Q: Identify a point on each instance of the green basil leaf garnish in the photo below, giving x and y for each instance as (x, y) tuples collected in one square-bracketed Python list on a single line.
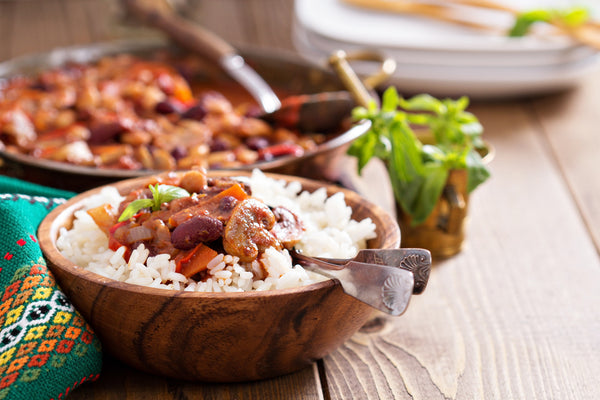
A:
[(160, 194)]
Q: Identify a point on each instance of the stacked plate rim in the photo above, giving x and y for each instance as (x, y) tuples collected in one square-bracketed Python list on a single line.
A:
[(440, 58)]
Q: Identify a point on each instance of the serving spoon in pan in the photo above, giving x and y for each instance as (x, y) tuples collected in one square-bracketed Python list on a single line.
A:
[(319, 112), (382, 278), (159, 14), (322, 112)]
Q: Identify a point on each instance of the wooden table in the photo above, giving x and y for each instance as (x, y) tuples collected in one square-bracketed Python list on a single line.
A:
[(514, 316)]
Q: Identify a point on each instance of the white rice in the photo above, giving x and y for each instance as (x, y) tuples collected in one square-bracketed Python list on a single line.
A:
[(330, 232)]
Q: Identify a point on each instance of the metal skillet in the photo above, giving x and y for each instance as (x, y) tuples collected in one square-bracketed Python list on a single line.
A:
[(306, 112), (283, 70)]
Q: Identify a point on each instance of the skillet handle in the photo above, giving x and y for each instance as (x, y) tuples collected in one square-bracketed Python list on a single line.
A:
[(360, 90), (156, 13)]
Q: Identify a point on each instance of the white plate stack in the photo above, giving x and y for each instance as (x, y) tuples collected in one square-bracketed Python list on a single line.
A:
[(442, 58)]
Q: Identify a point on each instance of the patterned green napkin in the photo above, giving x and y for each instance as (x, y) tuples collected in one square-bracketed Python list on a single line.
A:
[(46, 348)]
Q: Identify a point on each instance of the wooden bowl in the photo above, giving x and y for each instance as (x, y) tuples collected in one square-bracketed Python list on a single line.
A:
[(216, 337)]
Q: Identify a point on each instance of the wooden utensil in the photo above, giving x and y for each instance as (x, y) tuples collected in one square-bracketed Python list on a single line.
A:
[(158, 14)]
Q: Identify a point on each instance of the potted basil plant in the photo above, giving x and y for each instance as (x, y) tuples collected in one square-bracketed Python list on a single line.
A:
[(435, 158)]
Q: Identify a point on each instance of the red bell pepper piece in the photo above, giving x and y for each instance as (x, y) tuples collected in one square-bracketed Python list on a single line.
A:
[(281, 149)]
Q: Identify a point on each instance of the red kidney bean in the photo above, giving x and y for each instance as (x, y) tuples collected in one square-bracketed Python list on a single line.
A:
[(196, 112), (100, 132), (227, 203), (253, 111), (257, 142), (219, 144), (179, 152), (166, 107), (198, 229), (41, 86)]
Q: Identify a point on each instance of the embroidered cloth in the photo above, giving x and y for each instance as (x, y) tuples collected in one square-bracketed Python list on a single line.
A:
[(46, 347)]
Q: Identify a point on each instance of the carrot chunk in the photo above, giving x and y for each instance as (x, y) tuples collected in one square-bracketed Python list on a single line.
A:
[(234, 190), (104, 216), (195, 260)]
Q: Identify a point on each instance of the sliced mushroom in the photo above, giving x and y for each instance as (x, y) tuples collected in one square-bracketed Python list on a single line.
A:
[(247, 231)]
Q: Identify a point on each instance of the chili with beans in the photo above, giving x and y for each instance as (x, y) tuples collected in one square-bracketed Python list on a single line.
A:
[(124, 112), (215, 216)]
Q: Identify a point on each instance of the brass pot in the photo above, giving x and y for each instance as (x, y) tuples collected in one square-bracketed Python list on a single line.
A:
[(443, 232)]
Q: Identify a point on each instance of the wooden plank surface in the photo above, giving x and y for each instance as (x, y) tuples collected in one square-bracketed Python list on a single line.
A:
[(119, 382), (570, 124), (6, 28), (513, 316), (247, 22)]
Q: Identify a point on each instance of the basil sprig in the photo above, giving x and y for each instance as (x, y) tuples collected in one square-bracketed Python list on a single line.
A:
[(160, 194), (417, 171)]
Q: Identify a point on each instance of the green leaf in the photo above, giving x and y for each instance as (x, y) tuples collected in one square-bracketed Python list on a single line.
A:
[(421, 119), (417, 171), (405, 151), (477, 171), (405, 165), (472, 128), (423, 102), (160, 194), (575, 17), (135, 207), (389, 100), (525, 20), (433, 153), (571, 17), (363, 149), (461, 104), (431, 190), (359, 113), (166, 193)]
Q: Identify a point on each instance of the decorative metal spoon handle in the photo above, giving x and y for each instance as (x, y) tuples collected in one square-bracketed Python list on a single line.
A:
[(417, 261), (383, 287)]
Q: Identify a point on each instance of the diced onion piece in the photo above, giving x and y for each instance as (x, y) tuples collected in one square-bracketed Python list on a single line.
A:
[(139, 233)]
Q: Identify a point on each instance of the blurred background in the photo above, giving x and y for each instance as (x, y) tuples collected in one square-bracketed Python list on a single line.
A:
[(440, 53), (55, 23)]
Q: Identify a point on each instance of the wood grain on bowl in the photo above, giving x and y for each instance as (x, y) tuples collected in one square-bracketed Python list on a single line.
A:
[(217, 337)]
